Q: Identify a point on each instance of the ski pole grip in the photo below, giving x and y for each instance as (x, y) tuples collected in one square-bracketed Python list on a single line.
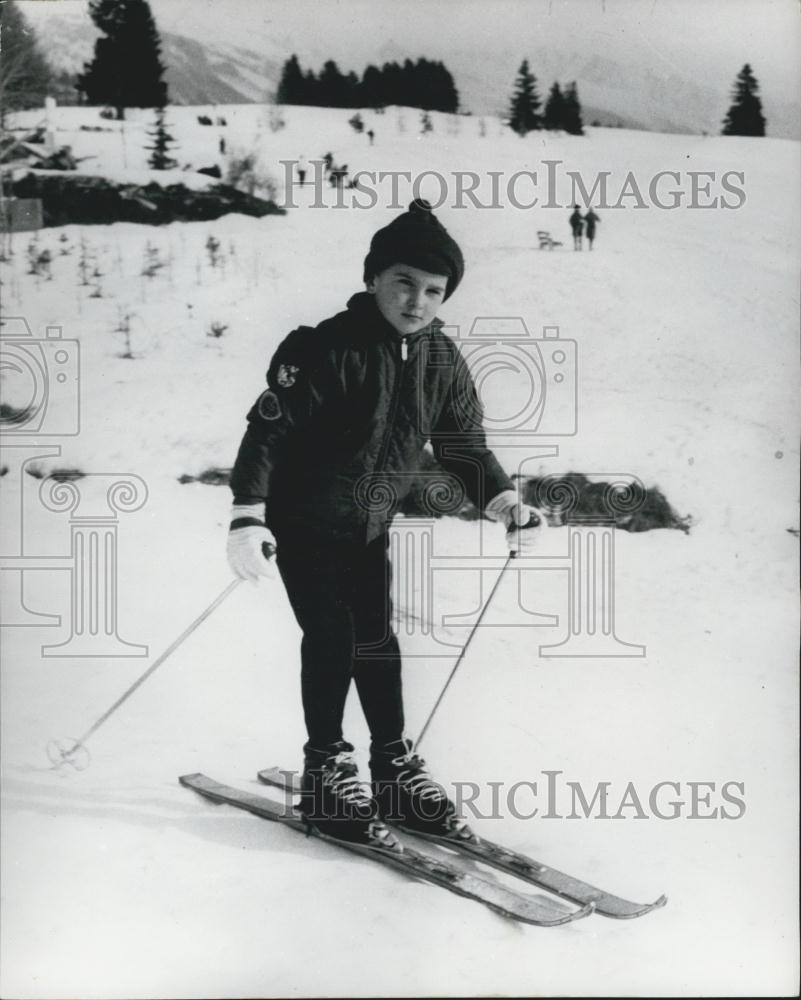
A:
[(534, 521)]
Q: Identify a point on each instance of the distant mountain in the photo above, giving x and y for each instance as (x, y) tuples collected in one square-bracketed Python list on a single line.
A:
[(214, 73), (197, 72), (223, 70)]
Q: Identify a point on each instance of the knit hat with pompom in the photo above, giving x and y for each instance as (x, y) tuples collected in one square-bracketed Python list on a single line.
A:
[(418, 239)]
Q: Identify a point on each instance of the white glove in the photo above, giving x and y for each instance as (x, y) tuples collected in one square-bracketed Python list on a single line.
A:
[(251, 544), (524, 524)]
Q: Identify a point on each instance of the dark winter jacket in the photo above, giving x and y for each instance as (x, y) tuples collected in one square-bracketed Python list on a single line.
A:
[(590, 221), (577, 222), (335, 442)]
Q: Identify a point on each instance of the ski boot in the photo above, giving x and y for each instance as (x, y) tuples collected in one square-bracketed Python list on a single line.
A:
[(335, 803), (407, 795)]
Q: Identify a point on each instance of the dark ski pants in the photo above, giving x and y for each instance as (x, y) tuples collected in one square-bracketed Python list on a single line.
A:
[(340, 593)]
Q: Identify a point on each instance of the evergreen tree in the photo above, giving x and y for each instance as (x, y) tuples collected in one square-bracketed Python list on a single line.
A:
[(745, 114), (25, 76), (524, 113), (162, 140), (411, 85), (392, 76), (371, 88), (332, 86), (353, 97), (126, 71), (554, 117), (291, 85), (572, 111), (310, 92), (446, 88)]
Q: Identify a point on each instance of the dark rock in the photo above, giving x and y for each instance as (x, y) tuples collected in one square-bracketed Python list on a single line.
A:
[(86, 200)]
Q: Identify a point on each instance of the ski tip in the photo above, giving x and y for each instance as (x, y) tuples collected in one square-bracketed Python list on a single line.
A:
[(187, 780), (287, 781), (568, 918), (638, 911)]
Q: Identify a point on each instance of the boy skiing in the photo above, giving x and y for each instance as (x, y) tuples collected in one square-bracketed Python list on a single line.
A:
[(349, 407)]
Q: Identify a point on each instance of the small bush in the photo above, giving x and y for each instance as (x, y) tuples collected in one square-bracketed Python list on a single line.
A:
[(210, 477), (248, 174), (573, 497), (66, 475), (14, 415), (216, 329)]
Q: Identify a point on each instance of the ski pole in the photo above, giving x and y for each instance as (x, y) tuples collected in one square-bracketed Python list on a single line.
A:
[(64, 751), (536, 520), (461, 655)]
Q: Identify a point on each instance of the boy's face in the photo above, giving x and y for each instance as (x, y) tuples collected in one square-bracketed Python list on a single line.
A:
[(407, 297)]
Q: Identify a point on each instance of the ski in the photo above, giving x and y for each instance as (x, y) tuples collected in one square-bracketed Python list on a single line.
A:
[(541, 911), (519, 865)]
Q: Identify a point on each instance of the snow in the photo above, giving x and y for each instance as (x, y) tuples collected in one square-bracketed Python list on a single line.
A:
[(118, 882)]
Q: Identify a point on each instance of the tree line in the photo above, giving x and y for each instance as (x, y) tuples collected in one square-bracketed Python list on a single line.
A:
[(424, 84), (127, 70)]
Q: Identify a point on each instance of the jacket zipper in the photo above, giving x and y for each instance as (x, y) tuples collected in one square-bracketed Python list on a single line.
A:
[(393, 406)]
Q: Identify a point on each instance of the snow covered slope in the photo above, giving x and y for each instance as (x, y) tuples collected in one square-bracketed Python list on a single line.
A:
[(117, 882)]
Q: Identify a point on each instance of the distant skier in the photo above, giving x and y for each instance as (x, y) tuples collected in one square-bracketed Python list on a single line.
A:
[(370, 135), (590, 222), (577, 225), (301, 169), (338, 175), (349, 409)]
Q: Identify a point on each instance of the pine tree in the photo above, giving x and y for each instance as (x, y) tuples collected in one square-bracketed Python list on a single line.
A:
[(310, 93), (392, 75), (371, 88), (25, 76), (554, 117), (524, 110), (411, 82), (162, 140), (572, 111), (126, 71), (291, 85), (352, 91), (745, 114), (332, 86), (446, 88)]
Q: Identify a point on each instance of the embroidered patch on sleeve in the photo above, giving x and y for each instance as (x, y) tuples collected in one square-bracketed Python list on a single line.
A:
[(269, 408), (287, 375)]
